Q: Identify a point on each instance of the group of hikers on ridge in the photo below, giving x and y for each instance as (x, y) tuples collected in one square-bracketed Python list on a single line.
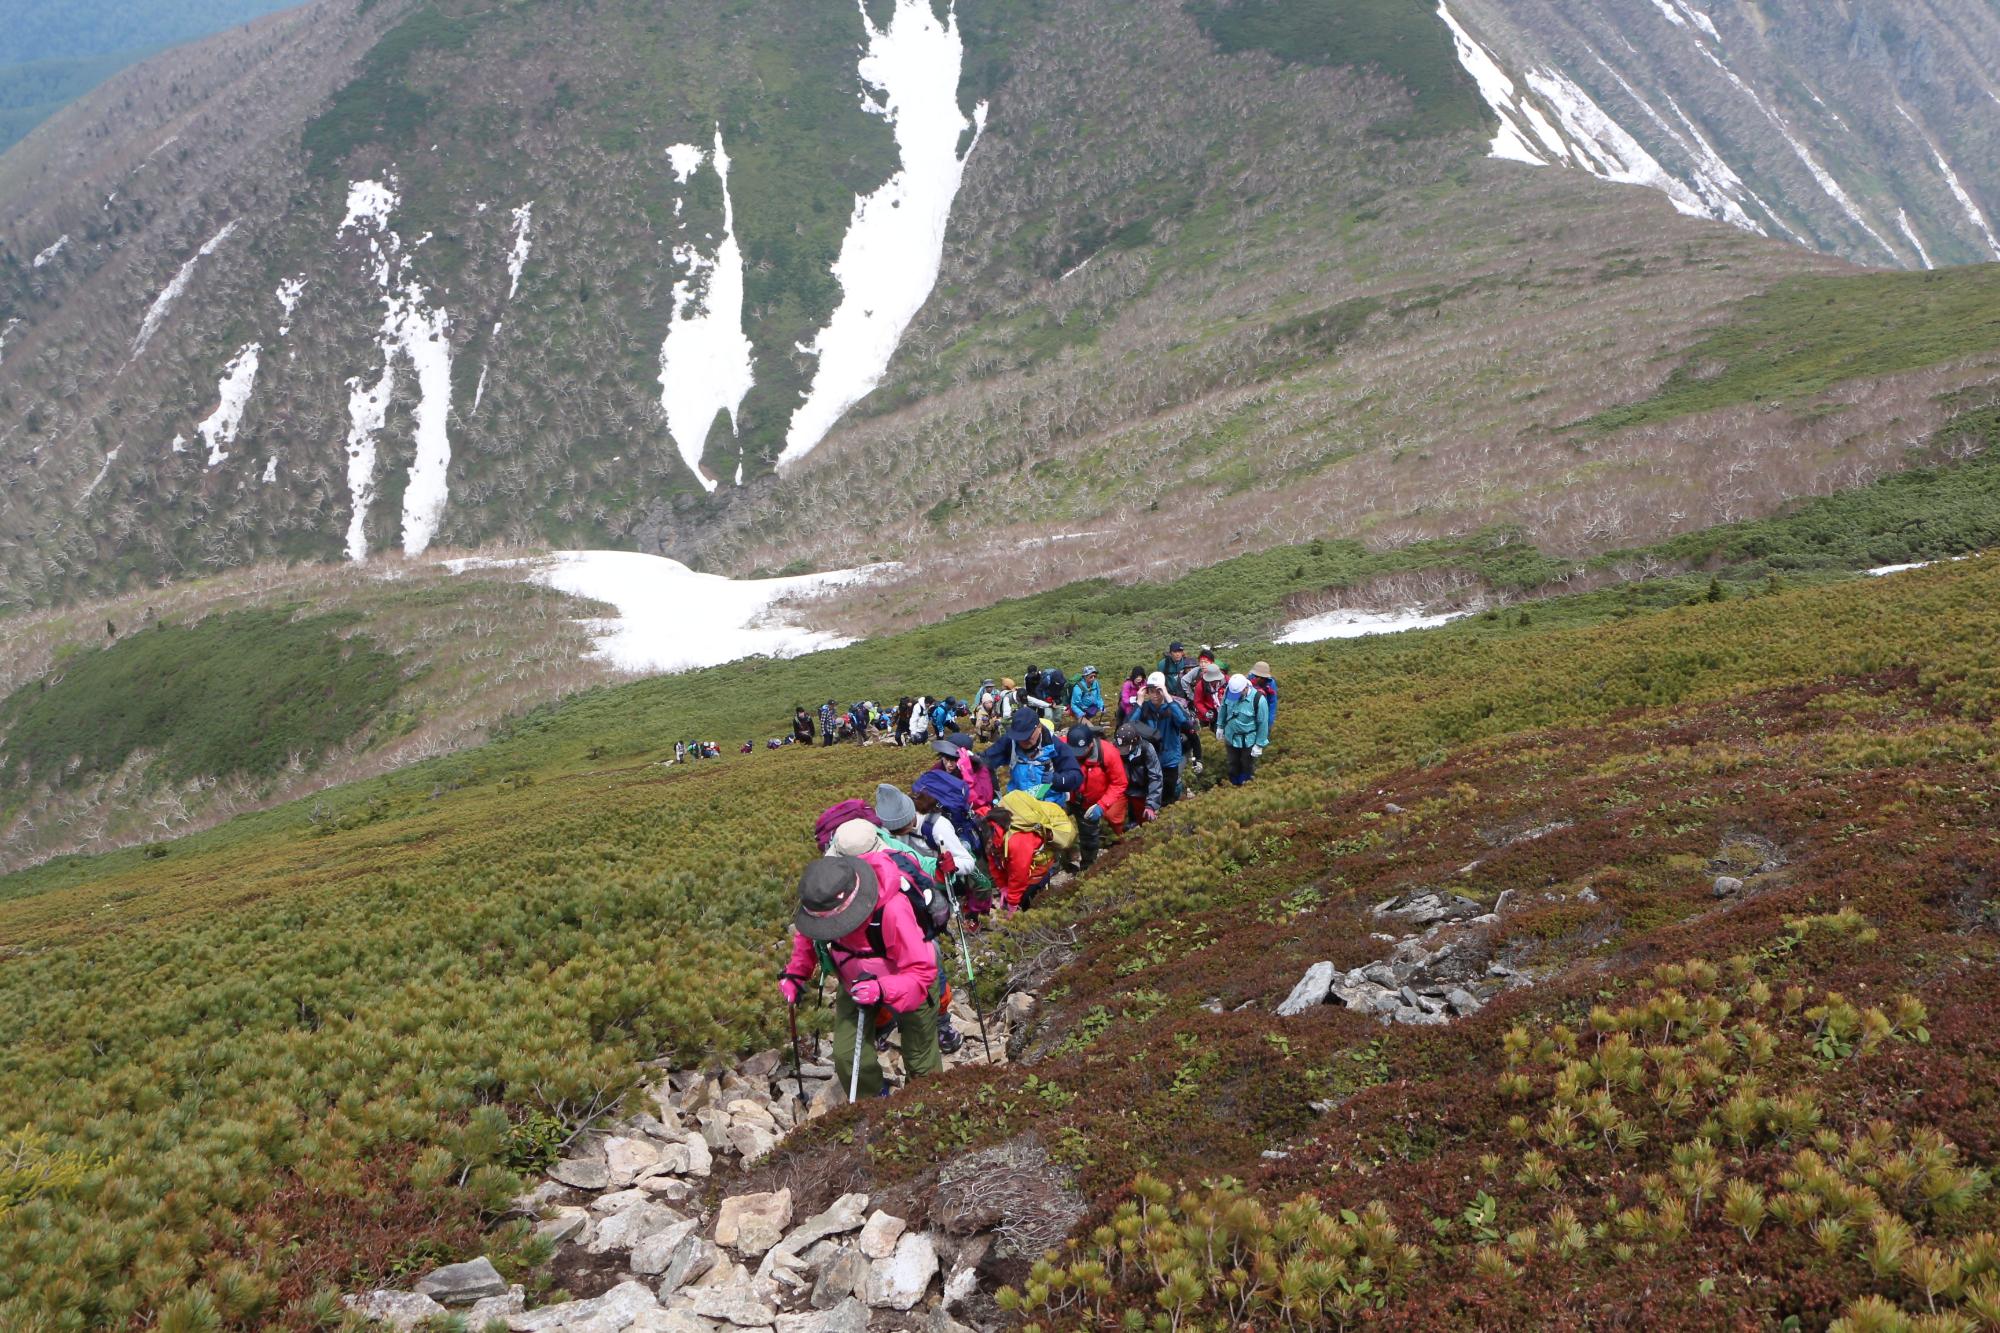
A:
[(1010, 800)]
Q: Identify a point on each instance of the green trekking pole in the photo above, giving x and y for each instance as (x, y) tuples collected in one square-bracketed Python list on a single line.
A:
[(971, 977)]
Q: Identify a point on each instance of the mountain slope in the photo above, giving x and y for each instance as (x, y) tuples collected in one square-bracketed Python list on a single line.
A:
[(586, 275), (1863, 128)]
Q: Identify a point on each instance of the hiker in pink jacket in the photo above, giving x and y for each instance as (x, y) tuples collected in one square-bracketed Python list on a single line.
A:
[(855, 921)]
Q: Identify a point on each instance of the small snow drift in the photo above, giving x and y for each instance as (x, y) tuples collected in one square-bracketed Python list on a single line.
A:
[(517, 259), (239, 379), (894, 247), (1361, 624), (672, 619), (705, 362), (164, 302)]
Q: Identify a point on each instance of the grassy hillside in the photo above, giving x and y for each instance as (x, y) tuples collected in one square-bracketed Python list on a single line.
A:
[(256, 1064)]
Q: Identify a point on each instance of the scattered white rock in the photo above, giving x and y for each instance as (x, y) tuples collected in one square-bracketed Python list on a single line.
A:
[(1311, 990), (753, 1223), (397, 1309), (634, 1224), (879, 1236), (462, 1284), (900, 1281)]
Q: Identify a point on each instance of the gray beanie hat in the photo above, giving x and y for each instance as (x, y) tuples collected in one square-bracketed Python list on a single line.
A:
[(894, 808)]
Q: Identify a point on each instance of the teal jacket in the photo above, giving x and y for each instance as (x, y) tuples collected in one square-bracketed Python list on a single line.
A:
[(1245, 720)]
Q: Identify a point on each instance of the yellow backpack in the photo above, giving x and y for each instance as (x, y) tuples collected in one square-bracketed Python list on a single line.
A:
[(1045, 819)]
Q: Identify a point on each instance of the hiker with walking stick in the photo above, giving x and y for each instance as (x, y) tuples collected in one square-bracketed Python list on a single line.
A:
[(856, 922)]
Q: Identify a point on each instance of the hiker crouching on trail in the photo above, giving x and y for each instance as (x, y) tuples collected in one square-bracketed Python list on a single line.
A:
[(1021, 860), (855, 922), (1029, 759), (1101, 798)]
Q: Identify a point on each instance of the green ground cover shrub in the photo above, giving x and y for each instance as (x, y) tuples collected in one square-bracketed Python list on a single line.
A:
[(241, 693), (1809, 333), (1401, 38), (329, 1013)]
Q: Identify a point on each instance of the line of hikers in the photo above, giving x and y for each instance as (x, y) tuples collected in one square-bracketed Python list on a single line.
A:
[(986, 829)]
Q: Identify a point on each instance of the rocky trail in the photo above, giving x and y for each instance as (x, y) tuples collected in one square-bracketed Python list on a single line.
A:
[(642, 1214)]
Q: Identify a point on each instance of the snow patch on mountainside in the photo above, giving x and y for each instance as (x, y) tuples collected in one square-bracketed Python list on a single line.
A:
[(1910, 234), (415, 330), (894, 247), (48, 255), (517, 261), (102, 472), (1613, 154), (1361, 624), (164, 302), (239, 380), (289, 293), (705, 362), (1510, 144), (670, 618), (1973, 212)]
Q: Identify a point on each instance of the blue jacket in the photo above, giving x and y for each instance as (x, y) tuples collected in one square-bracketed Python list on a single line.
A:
[(1020, 770), (1244, 721), (1169, 720), (1085, 697)]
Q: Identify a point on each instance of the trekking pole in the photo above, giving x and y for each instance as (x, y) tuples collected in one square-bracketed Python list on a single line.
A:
[(798, 1072), (971, 977), (860, 1040)]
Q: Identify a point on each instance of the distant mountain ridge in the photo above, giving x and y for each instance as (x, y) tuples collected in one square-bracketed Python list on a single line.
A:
[(51, 54)]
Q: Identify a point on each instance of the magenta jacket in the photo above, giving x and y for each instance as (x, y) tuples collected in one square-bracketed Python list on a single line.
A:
[(907, 973)]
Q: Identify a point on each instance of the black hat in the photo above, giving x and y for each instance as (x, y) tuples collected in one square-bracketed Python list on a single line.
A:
[(836, 895)]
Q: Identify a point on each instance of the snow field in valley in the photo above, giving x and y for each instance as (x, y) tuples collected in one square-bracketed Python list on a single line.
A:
[(1361, 624), (670, 618)]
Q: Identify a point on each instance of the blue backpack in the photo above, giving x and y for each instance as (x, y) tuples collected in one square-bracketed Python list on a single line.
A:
[(948, 790)]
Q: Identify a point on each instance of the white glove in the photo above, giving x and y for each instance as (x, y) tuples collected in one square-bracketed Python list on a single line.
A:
[(1256, 752)]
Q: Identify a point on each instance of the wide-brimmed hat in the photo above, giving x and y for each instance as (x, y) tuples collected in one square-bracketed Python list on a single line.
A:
[(1025, 724), (837, 894), (1262, 669), (894, 808), (857, 837)]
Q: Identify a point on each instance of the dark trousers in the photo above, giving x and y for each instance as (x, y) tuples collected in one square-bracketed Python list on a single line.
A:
[(1089, 835), (1242, 764), (1170, 785)]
